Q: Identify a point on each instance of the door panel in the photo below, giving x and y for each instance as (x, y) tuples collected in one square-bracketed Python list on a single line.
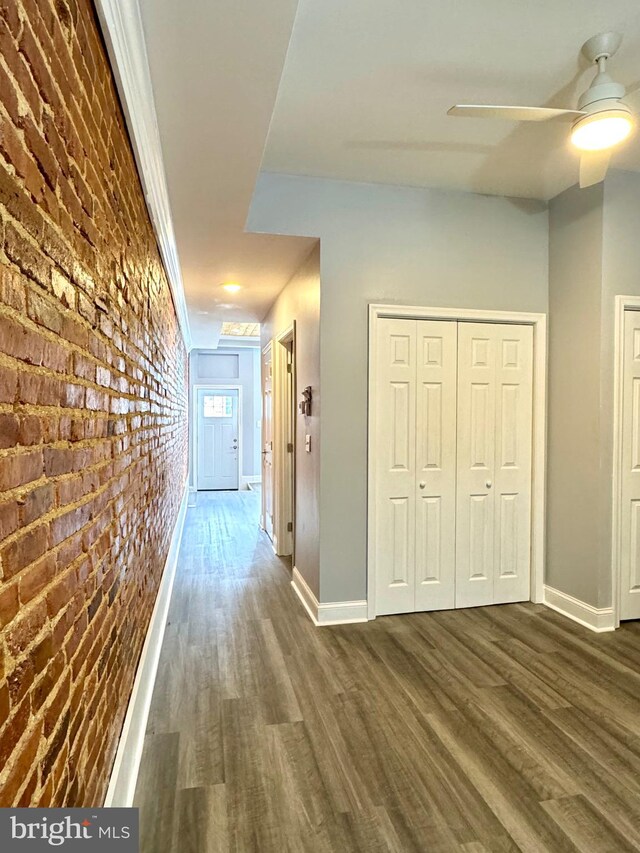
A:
[(435, 481), (630, 481), (217, 439), (415, 497), (495, 398), (395, 492)]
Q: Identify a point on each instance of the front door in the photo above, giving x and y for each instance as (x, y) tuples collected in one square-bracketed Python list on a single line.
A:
[(217, 439)]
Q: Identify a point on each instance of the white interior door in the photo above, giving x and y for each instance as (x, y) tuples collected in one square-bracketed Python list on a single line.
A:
[(454, 409), (630, 480), (217, 439), (436, 357), (494, 425), (267, 441), (416, 466)]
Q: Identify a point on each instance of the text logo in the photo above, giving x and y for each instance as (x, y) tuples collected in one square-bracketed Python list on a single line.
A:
[(87, 830)]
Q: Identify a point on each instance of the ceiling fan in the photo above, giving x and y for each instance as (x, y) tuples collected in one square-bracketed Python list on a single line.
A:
[(605, 116)]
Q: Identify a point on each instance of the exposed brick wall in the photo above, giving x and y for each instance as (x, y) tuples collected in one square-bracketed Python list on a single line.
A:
[(93, 430)]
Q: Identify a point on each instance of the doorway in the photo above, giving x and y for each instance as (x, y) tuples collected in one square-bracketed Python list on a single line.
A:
[(218, 429), (456, 458), (626, 462), (285, 443), (267, 441)]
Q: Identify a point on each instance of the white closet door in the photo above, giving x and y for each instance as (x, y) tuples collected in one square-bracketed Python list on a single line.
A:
[(395, 466), (495, 393), (630, 510), (436, 357)]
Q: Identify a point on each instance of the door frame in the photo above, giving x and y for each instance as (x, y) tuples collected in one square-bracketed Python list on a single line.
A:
[(212, 386), (267, 348), (622, 305), (538, 464), (283, 461)]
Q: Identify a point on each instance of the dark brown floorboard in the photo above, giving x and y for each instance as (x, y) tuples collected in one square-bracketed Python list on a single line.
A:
[(502, 728)]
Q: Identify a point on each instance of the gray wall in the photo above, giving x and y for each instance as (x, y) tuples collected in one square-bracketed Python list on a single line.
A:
[(575, 525), (594, 256), (299, 302), (398, 245), (215, 367)]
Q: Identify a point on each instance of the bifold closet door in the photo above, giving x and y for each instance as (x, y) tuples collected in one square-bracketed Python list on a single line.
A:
[(415, 465), (495, 402)]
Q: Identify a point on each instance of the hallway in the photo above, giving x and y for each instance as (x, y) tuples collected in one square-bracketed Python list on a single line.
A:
[(493, 729)]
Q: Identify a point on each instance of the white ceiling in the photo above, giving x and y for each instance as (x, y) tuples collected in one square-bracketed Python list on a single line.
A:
[(363, 96), (215, 69), (367, 85)]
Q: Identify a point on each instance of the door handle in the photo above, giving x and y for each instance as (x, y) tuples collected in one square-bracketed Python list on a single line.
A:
[(422, 484), (488, 484)]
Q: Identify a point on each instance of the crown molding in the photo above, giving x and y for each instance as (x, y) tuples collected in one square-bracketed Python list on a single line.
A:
[(121, 24)]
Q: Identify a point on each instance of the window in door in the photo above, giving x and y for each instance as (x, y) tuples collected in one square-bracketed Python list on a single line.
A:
[(217, 406)]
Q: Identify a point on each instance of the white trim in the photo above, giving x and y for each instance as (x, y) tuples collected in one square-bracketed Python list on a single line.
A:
[(213, 386), (538, 494), (121, 24), (598, 619), (267, 350), (283, 461), (623, 303), (331, 613), (124, 774)]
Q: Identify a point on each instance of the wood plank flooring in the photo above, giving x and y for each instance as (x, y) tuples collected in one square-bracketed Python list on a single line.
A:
[(493, 729)]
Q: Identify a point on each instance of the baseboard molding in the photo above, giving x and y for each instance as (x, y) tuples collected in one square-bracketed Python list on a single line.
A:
[(332, 613), (596, 619), (122, 784), (247, 481)]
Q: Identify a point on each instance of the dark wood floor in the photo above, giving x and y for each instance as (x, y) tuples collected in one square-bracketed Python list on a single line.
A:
[(494, 729)]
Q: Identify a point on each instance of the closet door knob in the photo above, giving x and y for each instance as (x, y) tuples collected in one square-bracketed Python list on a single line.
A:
[(488, 484), (422, 484)]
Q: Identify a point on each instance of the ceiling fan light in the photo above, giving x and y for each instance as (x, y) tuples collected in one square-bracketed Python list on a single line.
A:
[(602, 130)]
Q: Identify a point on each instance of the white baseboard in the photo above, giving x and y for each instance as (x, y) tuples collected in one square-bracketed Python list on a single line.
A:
[(122, 784), (596, 619), (247, 481), (332, 613)]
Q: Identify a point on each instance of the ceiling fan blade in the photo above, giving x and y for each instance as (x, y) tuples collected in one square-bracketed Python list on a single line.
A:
[(593, 167), (511, 113), (632, 99)]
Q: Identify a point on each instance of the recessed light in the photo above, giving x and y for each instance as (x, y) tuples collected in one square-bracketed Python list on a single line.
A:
[(231, 287)]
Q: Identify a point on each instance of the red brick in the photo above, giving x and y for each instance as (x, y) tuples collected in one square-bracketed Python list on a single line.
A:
[(61, 594), (30, 430), (20, 765), (19, 470), (9, 518), (93, 437), (8, 382), (34, 579), (9, 428), (8, 603), (36, 503), (24, 550), (43, 312), (26, 256), (12, 732)]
